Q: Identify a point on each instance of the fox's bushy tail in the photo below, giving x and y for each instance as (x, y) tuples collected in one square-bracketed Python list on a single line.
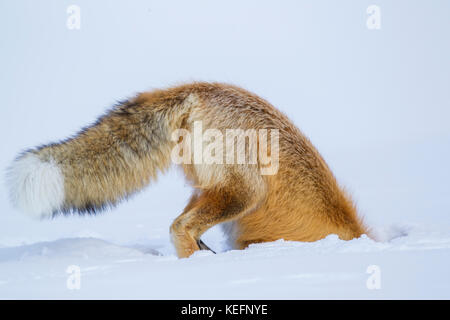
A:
[(105, 162)]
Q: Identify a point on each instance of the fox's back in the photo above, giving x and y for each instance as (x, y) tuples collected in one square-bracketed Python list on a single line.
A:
[(303, 201)]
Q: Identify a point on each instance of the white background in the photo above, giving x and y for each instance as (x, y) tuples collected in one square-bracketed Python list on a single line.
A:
[(376, 103)]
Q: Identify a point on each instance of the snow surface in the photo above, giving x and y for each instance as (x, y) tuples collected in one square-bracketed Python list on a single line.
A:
[(375, 103)]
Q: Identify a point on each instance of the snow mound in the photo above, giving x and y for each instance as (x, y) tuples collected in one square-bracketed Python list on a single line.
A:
[(78, 248)]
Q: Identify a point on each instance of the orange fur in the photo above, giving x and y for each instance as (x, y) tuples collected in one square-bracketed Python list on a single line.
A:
[(123, 151)]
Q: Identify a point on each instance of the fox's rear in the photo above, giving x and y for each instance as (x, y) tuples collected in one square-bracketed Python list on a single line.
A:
[(124, 150)]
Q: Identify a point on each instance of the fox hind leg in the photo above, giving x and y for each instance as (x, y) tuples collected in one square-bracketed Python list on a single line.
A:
[(190, 205), (205, 210)]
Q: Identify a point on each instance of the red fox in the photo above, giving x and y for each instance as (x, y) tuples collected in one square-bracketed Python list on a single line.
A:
[(125, 149)]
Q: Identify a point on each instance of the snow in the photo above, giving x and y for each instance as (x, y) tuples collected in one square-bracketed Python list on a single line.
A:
[(329, 268), (375, 103)]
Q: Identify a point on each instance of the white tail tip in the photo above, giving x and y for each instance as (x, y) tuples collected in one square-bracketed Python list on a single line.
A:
[(36, 186)]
